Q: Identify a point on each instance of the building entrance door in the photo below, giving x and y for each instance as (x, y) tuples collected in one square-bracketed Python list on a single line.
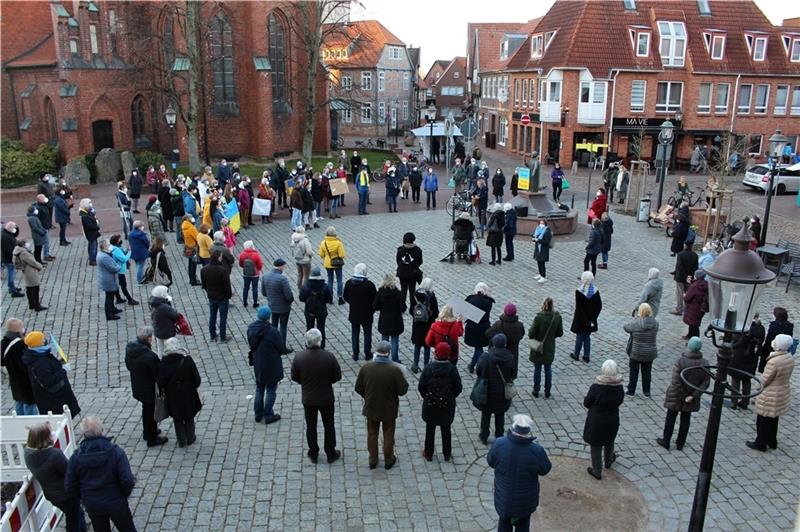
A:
[(103, 134), (554, 144)]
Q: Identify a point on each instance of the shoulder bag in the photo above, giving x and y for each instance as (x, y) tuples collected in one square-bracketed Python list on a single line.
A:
[(182, 326), (337, 261), (508, 385), (537, 346), (480, 392), (161, 412)]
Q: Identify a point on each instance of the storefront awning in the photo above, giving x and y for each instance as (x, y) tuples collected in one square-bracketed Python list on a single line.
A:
[(339, 105)]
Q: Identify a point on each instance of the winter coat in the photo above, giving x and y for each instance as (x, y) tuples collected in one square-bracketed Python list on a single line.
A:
[(518, 462), (498, 182), (678, 391), (275, 286), (607, 227), (91, 229), (381, 383), (61, 210), (301, 247), (99, 474), (143, 365), (176, 202), (541, 249), (746, 349), (436, 335), (179, 379), (595, 244), (107, 270), (216, 281), (430, 183), (316, 370), (475, 334), (121, 258), (419, 329), (44, 214), (267, 348), (415, 179), (497, 221), (228, 261), (409, 260), (49, 467), (9, 242), (135, 183), (330, 247), (510, 227), (696, 303), (490, 361), (776, 397), (243, 197), (163, 318), (161, 264), (644, 347), (598, 207), (482, 193), (651, 294), (155, 221), (539, 331), (685, 265), (602, 419), (189, 203), (514, 331), (140, 245), (31, 268), (11, 357), (316, 306), (587, 310), (679, 233), (775, 328), (49, 382), (255, 257), (390, 303), (38, 231), (438, 375), (360, 292)]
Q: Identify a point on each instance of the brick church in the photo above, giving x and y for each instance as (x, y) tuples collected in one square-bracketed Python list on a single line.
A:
[(91, 75)]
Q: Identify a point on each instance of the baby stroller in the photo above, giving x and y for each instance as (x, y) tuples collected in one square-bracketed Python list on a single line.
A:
[(464, 247)]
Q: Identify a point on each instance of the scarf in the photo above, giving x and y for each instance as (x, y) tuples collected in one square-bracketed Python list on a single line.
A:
[(605, 379), (539, 232), (588, 290)]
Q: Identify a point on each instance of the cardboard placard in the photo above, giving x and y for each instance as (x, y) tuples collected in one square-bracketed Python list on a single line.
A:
[(338, 186), (262, 207), (468, 310)]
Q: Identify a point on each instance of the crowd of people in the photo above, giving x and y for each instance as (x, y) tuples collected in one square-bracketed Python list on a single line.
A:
[(165, 379)]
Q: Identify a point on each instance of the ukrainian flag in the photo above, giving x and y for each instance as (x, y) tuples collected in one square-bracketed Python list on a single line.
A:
[(232, 214), (57, 348)]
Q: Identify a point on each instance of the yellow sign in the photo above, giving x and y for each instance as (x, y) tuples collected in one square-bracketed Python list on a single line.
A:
[(523, 178), (589, 146)]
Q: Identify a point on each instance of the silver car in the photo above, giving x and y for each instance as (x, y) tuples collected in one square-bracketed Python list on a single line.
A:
[(787, 179)]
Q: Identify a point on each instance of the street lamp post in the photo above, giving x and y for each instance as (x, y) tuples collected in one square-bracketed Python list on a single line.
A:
[(776, 144), (431, 121), (736, 280), (171, 117), (665, 138)]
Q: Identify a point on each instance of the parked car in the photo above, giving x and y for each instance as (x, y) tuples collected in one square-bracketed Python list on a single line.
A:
[(787, 179)]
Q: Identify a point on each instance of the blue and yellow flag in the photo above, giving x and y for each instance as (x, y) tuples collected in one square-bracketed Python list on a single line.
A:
[(232, 214), (57, 349)]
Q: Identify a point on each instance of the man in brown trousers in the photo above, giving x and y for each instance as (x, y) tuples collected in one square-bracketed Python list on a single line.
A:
[(381, 383)]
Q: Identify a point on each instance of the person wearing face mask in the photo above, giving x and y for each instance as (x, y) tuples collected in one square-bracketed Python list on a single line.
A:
[(176, 202), (415, 181), (38, 232), (598, 207), (281, 176), (155, 217), (191, 206), (190, 247), (45, 187), (223, 173), (152, 179), (135, 182), (542, 238), (91, 228), (9, 241), (44, 208), (480, 201), (124, 205), (403, 172), (166, 206), (265, 192), (61, 208), (557, 180), (31, 272), (431, 185), (498, 183), (509, 230), (161, 176)]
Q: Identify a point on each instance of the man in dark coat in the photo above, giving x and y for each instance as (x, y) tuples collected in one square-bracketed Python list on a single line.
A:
[(266, 349), (359, 292), (381, 383), (781, 325), (62, 206), (45, 188), (496, 366), (216, 281), (48, 377), (135, 184), (439, 385), (9, 234), (317, 370), (91, 229), (12, 348), (509, 324), (38, 233), (475, 333), (275, 287), (679, 233), (44, 210), (685, 266), (746, 350), (518, 462), (510, 230), (355, 164), (100, 475), (281, 176), (415, 180), (409, 260), (317, 295), (142, 363)]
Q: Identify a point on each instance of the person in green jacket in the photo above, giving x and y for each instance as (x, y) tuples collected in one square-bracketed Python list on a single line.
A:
[(546, 327)]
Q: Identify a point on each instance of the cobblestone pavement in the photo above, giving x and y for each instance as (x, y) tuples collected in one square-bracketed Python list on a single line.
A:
[(243, 476)]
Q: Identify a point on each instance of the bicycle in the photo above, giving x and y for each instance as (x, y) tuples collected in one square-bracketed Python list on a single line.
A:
[(337, 143), (378, 176), (679, 197), (369, 144), (458, 203)]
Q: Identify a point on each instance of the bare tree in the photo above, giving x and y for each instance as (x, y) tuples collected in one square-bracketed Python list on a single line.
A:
[(721, 161), (637, 143)]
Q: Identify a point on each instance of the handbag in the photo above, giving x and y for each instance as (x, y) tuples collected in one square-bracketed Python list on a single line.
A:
[(452, 182), (159, 277), (337, 261), (508, 386), (629, 347), (564, 184), (160, 412), (480, 392), (182, 326), (537, 346)]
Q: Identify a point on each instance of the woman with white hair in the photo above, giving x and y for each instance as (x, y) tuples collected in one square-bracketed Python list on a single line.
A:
[(359, 292), (776, 396), (602, 420), (179, 378), (584, 321), (642, 348), (390, 303), (651, 292), (475, 334), (91, 229), (163, 316), (423, 313), (251, 263)]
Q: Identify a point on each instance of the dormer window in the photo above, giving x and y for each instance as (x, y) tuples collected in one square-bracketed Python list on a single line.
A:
[(630, 5), (537, 45), (704, 7), (672, 45), (640, 40), (715, 44), (504, 49), (756, 45), (791, 45)]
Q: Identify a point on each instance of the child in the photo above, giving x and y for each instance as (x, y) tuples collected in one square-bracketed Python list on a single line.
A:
[(230, 236)]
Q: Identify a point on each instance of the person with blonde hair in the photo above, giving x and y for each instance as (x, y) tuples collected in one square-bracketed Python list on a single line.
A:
[(447, 328), (642, 348), (602, 420), (332, 251), (390, 303)]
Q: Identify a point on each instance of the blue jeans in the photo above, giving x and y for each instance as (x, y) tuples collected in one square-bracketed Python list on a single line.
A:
[(318, 207), (476, 356), (338, 273), (221, 306), (362, 202), (395, 343), (192, 271), (92, 250), (355, 330), (281, 321), (178, 231), (584, 340), (537, 377), (24, 409), (605, 257), (11, 272), (264, 401), (392, 201), (248, 283), (140, 266), (333, 205), (46, 245), (297, 218), (426, 350)]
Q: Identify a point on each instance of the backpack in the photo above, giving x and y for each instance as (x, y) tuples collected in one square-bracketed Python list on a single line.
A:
[(437, 396), (249, 268), (315, 303), (421, 312), (299, 252)]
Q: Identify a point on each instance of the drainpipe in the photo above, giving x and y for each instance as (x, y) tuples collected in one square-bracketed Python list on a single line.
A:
[(611, 114), (733, 115), (14, 103)]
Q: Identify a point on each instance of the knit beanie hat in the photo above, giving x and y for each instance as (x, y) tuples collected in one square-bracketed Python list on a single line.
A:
[(34, 339), (264, 312), (442, 351), (499, 340), (510, 309), (700, 274), (694, 344)]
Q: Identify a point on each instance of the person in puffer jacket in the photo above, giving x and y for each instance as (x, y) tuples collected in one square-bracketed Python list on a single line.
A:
[(163, 316), (251, 263), (302, 252)]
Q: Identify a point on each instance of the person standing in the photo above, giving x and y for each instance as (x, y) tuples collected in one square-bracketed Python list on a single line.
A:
[(163, 316), (9, 242), (143, 365), (281, 177), (393, 184), (135, 184), (317, 370), (602, 420), (362, 187), (355, 164), (685, 266), (588, 305), (607, 227), (518, 462), (542, 242), (508, 323), (409, 261), (776, 395), (480, 202), (781, 325), (557, 181), (598, 207), (140, 249), (216, 281), (359, 293), (475, 334), (423, 314), (439, 385), (158, 262), (91, 229), (179, 378), (696, 303), (545, 328), (107, 278), (594, 247), (333, 254), (122, 259), (317, 296), (390, 304), (44, 188), (642, 348), (156, 217), (62, 207), (124, 206), (447, 328), (48, 376), (251, 263), (494, 240), (176, 202), (430, 182), (12, 348), (415, 181), (498, 183), (680, 397), (679, 233), (31, 270), (651, 292), (48, 466), (497, 367), (746, 347), (302, 253), (44, 210), (381, 383), (99, 475), (275, 287), (38, 233), (266, 349), (509, 230)]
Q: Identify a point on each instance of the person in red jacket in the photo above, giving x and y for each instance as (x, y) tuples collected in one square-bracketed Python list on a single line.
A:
[(251, 263), (599, 205), (447, 328)]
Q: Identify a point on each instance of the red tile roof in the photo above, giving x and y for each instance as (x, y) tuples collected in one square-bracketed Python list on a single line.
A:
[(24, 29), (368, 38), (41, 54), (489, 36)]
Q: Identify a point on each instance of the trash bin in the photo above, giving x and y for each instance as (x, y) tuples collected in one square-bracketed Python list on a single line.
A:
[(644, 210)]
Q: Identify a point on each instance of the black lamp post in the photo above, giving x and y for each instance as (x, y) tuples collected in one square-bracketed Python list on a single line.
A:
[(431, 120), (735, 282), (665, 138), (171, 117), (776, 144)]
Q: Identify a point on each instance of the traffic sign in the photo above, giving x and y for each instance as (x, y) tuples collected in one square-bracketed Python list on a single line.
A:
[(469, 128), (525, 119)]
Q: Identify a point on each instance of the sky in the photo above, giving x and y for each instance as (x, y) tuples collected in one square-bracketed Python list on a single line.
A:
[(439, 27)]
